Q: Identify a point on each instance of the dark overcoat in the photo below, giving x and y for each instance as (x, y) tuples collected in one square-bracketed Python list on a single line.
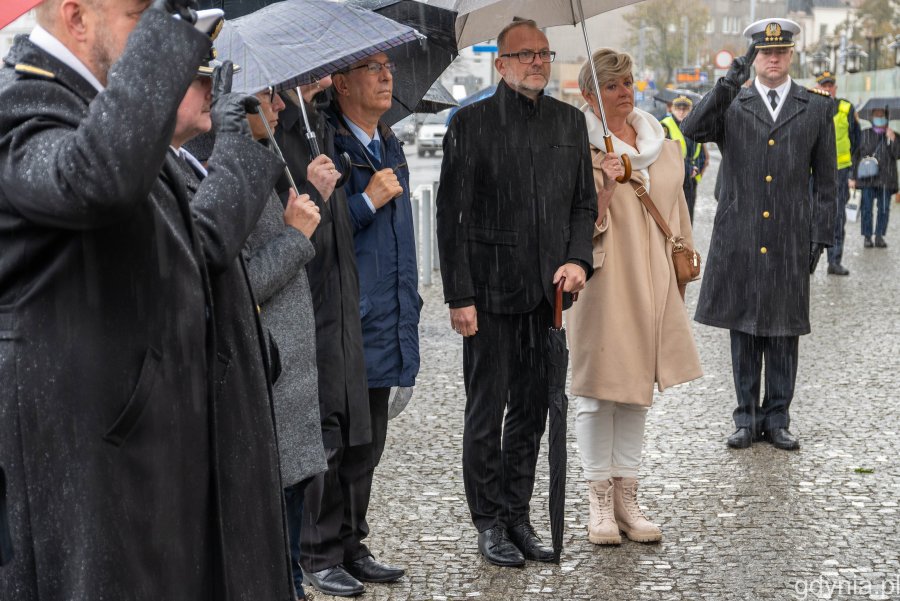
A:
[(104, 407), (516, 201), (885, 152), (334, 285), (385, 244), (779, 181), (226, 206)]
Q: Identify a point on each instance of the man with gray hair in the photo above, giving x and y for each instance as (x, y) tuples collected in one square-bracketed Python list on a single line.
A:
[(515, 216)]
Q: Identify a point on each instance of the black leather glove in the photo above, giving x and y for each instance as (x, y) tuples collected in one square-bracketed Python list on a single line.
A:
[(740, 67), (815, 252), (186, 9), (229, 110)]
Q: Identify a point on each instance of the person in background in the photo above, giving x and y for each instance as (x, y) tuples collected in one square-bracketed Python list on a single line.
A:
[(880, 142), (696, 157), (846, 136)]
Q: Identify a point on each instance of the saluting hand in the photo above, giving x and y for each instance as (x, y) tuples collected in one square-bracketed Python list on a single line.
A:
[(322, 174), (186, 9), (383, 187), (229, 110), (302, 214)]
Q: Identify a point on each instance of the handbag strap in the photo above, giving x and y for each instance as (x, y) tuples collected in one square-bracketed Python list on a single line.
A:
[(644, 196)]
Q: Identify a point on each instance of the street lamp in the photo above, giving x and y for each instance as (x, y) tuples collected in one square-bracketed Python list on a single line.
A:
[(853, 58), (833, 42), (873, 40), (818, 62), (895, 46)]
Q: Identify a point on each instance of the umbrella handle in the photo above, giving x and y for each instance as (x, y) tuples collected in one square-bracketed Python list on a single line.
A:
[(557, 306), (626, 162)]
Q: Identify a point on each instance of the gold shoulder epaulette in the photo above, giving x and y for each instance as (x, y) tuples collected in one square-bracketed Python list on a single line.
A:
[(819, 92), (32, 70)]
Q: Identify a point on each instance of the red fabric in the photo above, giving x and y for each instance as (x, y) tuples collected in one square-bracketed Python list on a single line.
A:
[(10, 10)]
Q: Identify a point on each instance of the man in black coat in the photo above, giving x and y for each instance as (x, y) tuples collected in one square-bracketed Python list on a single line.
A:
[(104, 409), (775, 216), (515, 213), (226, 201)]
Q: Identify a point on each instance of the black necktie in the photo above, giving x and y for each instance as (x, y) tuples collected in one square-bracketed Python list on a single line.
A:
[(773, 99)]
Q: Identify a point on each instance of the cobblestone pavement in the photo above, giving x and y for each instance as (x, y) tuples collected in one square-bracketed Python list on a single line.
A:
[(743, 525)]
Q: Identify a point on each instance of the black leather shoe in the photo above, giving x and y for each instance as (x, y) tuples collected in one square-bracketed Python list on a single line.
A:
[(334, 581), (867, 242), (529, 544), (366, 569), (741, 439), (879, 242), (837, 269), (781, 438), (496, 547)]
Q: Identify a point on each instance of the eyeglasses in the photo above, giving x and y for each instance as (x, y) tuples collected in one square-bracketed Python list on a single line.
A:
[(526, 57), (374, 68)]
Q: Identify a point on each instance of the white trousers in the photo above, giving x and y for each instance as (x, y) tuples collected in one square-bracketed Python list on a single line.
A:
[(610, 438)]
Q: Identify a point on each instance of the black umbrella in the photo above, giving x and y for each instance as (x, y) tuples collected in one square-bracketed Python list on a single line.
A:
[(891, 106), (668, 96), (558, 362), (437, 99), (6, 550), (418, 65)]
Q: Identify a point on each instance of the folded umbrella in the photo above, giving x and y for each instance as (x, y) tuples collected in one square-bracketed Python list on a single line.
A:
[(418, 65), (295, 42), (891, 106), (558, 361)]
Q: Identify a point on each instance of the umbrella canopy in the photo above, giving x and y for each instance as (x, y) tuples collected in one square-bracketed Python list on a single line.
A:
[(890, 105), (418, 65), (558, 361), (481, 20), (292, 43), (10, 10), (667, 96), (479, 95), (437, 99)]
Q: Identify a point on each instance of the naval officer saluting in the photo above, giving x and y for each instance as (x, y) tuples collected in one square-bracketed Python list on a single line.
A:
[(775, 217)]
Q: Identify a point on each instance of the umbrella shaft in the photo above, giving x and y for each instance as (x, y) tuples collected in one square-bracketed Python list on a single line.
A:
[(590, 50), (275, 147), (310, 134)]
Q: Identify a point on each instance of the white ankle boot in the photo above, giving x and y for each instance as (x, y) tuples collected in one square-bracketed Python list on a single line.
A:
[(628, 514), (602, 527)]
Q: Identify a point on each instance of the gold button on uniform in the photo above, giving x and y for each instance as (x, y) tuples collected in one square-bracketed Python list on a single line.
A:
[(771, 142), (763, 250), (768, 178), (765, 214)]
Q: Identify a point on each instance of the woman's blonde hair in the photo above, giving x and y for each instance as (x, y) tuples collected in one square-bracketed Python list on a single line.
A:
[(608, 64)]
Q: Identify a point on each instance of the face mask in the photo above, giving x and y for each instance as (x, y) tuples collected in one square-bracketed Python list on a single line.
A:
[(879, 121)]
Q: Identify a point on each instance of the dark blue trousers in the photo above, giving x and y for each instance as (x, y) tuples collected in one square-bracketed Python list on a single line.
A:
[(836, 252), (747, 354), (880, 197)]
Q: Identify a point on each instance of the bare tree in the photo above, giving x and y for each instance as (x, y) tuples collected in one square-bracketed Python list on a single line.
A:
[(664, 22)]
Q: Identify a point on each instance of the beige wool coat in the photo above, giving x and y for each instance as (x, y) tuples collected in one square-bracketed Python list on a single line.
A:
[(629, 329)]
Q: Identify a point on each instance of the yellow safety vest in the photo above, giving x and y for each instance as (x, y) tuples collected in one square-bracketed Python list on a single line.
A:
[(842, 134), (675, 133)]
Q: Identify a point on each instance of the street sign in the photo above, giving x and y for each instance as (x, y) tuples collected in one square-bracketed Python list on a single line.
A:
[(723, 59), (484, 48), (688, 75)]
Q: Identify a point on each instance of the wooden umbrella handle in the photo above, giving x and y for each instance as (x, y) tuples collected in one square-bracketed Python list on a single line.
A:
[(626, 162), (558, 305)]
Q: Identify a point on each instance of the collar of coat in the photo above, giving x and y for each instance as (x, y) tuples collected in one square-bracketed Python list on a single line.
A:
[(341, 129), (509, 97), (32, 62), (797, 100)]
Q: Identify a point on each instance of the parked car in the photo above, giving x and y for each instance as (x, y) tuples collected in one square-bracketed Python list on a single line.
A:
[(406, 129), (431, 133)]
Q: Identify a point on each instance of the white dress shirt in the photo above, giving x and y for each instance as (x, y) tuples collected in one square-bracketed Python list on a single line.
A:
[(782, 92), (364, 139), (47, 42)]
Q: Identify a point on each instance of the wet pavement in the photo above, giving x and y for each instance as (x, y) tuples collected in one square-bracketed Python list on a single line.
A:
[(743, 525)]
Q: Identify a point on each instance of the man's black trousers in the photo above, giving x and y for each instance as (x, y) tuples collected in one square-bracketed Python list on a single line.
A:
[(747, 354), (336, 501), (505, 368)]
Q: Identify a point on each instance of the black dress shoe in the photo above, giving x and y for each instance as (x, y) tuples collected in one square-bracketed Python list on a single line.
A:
[(867, 242), (334, 581), (741, 439), (879, 242), (529, 544), (366, 569), (837, 269), (781, 438), (496, 547)]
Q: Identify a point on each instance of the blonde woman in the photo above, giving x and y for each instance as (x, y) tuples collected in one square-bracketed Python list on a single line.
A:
[(629, 329)]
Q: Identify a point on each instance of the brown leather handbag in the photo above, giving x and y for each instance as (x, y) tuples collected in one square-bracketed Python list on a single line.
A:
[(685, 259)]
